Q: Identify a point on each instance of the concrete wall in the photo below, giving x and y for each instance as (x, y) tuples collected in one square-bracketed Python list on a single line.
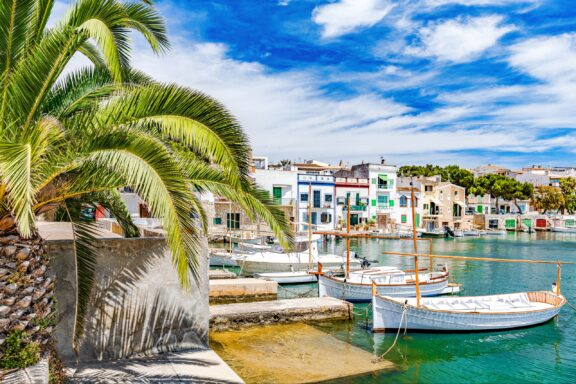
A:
[(137, 304)]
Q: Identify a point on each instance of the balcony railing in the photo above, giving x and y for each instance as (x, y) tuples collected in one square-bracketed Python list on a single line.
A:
[(355, 208), (280, 201)]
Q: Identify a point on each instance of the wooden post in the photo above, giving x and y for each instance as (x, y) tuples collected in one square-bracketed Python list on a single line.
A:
[(416, 274), (558, 279), (431, 258), (374, 290), (310, 227), (348, 239)]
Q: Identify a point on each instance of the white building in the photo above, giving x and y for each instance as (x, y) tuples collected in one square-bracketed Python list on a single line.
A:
[(357, 192), (321, 199)]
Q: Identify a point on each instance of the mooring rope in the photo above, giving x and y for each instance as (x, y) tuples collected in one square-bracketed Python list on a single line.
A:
[(570, 305), (298, 293), (404, 317)]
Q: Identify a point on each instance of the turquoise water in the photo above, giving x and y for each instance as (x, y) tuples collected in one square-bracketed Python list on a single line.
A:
[(541, 354)]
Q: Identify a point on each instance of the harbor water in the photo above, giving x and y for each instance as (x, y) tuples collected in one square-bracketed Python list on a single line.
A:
[(541, 354)]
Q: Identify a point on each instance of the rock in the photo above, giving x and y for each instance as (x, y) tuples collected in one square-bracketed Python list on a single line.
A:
[(4, 310), (16, 315), (3, 272), (25, 302), (9, 251), (11, 265), (38, 293), (34, 330), (11, 289), (4, 323), (39, 271), (20, 326), (28, 290), (8, 239), (9, 301), (23, 267), (22, 254)]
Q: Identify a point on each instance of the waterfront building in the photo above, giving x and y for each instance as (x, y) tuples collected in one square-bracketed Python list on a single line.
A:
[(443, 203), (480, 204), (322, 187), (355, 190), (404, 192)]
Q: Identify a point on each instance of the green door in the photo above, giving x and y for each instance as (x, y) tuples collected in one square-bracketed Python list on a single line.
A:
[(418, 220), (277, 194), (353, 219), (510, 223), (479, 209), (527, 222)]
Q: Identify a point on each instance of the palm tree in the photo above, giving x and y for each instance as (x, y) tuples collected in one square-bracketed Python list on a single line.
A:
[(69, 139)]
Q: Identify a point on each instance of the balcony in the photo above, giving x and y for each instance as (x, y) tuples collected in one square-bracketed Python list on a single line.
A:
[(315, 178), (354, 208), (284, 202), (384, 186)]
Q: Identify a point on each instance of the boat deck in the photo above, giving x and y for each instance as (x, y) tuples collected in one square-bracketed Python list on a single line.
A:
[(518, 302)]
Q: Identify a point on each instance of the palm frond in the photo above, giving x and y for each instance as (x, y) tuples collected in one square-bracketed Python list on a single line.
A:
[(41, 14), (149, 23), (15, 171)]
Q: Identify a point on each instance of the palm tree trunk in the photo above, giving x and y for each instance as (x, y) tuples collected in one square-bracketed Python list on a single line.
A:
[(26, 290)]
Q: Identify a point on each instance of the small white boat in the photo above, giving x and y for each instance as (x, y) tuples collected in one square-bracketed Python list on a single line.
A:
[(436, 233), (466, 313), (278, 260), (471, 232), (288, 277), (496, 232), (458, 233), (222, 258), (563, 229), (389, 281)]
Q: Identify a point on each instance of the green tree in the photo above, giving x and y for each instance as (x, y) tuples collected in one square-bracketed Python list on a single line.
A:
[(548, 199), (568, 189), (488, 184), (71, 139)]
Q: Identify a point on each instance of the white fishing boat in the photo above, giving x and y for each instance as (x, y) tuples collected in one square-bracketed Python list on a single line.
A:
[(278, 260), (471, 232), (458, 233), (466, 313), (435, 233), (563, 229), (222, 258), (389, 281), (296, 277), (495, 232)]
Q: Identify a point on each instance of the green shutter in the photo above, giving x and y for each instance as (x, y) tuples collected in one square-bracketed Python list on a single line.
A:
[(403, 218), (510, 223), (277, 194), (418, 220), (527, 222), (373, 180), (569, 222), (373, 202), (479, 209), (391, 203)]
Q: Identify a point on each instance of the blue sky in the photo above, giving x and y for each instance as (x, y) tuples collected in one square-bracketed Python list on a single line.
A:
[(419, 81)]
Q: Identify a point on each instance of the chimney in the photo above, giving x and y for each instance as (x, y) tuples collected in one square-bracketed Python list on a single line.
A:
[(382, 160)]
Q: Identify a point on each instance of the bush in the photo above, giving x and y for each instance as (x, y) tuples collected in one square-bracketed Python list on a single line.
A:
[(18, 353)]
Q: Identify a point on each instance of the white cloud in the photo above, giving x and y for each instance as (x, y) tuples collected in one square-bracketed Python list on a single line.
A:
[(460, 40), (438, 3), (549, 58), (347, 16)]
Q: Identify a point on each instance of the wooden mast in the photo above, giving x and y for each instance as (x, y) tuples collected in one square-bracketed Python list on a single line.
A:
[(310, 227), (348, 238), (417, 272), (558, 280)]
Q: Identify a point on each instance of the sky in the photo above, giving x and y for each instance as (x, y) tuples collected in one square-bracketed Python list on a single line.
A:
[(463, 82)]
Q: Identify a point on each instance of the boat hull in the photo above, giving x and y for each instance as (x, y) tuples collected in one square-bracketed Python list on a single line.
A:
[(432, 235), (356, 292), (289, 264), (223, 260), (563, 230), (388, 315), (287, 277)]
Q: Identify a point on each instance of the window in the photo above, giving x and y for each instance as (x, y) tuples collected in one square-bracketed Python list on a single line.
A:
[(383, 181), (428, 188), (382, 200), (217, 221), (403, 219), (233, 220), (325, 218), (456, 193), (341, 200), (328, 198), (317, 197), (426, 206), (403, 201), (304, 197), (277, 194)]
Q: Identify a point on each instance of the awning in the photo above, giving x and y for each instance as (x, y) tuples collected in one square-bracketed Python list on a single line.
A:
[(463, 205)]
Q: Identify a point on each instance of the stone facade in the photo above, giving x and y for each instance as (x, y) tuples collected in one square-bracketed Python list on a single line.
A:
[(26, 289)]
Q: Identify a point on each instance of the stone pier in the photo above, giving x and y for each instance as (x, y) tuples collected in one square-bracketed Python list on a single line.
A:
[(242, 290), (241, 315)]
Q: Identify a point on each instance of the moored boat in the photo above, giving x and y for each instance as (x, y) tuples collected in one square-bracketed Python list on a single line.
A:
[(389, 281), (288, 277), (436, 233), (495, 232), (471, 232), (222, 258), (466, 313), (563, 229)]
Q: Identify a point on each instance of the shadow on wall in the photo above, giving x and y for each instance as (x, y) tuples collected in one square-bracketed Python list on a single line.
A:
[(136, 306)]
